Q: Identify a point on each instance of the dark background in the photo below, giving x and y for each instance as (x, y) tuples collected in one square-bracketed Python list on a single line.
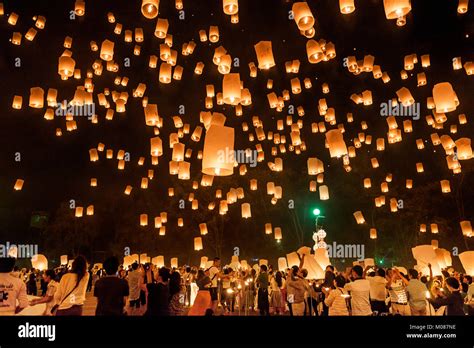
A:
[(57, 169)]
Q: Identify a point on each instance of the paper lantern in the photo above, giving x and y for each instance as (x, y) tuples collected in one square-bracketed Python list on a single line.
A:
[(174, 262), (213, 34), (464, 149), (39, 262), (151, 115), (36, 97), (12, 18), (303, 17), (444, 97), (346, 6), (30, 34), (434, 228), (165, 73), (246, 212), (18, 184), (79, 212), (178, 73), (63, 259), (156, 147), (282, 264), (315, 166), (150, 8), (359, 217), (40, 22), (419, 167), (373, 233), (314, 52), (445, 186), (405, 97), (17, 102), (231, 89), (467, 261), (323, 192), (161, 28), (396, 8), (218, 153), (292, 259), (367, 183), (107, 50), (463, 6), (93, 155), (158, 261), (90, 210), (277, 232), (184, 170), (231, 7), (80, 8), (198, 243), (335, 140), (466, 228), (143, 219), (264, 55), (203, 229)]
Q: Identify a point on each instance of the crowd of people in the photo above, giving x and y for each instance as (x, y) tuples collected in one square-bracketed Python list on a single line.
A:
[(145, 289)]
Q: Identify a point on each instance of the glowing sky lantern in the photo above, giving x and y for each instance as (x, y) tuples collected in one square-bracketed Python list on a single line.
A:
[(346, 6), (396, 8), (314, 52), (231, 7), (39, 262), (150, 8), (107, 50), (444, 97), (231, 89), (335, 140), (264, 55), (303, 16), (161, 28), (198, 243), (218, 156), (467, 261)]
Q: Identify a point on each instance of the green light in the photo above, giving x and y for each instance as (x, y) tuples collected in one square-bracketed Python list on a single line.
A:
[(316, 212)]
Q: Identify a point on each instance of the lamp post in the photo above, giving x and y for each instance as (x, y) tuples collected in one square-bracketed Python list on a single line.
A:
[(319, 234)]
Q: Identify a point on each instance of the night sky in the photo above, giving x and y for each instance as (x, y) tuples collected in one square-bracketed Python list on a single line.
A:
[(57, 169)]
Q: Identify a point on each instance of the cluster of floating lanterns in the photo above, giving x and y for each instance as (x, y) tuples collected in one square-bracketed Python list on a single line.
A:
[(217, 137)]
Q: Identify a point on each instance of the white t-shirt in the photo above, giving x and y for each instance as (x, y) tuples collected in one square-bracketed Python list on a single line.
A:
[(213, 271), (63, 295), (11, 290), (377, 288), (360, 296)]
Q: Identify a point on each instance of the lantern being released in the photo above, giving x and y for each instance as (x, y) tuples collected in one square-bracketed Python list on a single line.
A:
[(218, 154), (39, 262)]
